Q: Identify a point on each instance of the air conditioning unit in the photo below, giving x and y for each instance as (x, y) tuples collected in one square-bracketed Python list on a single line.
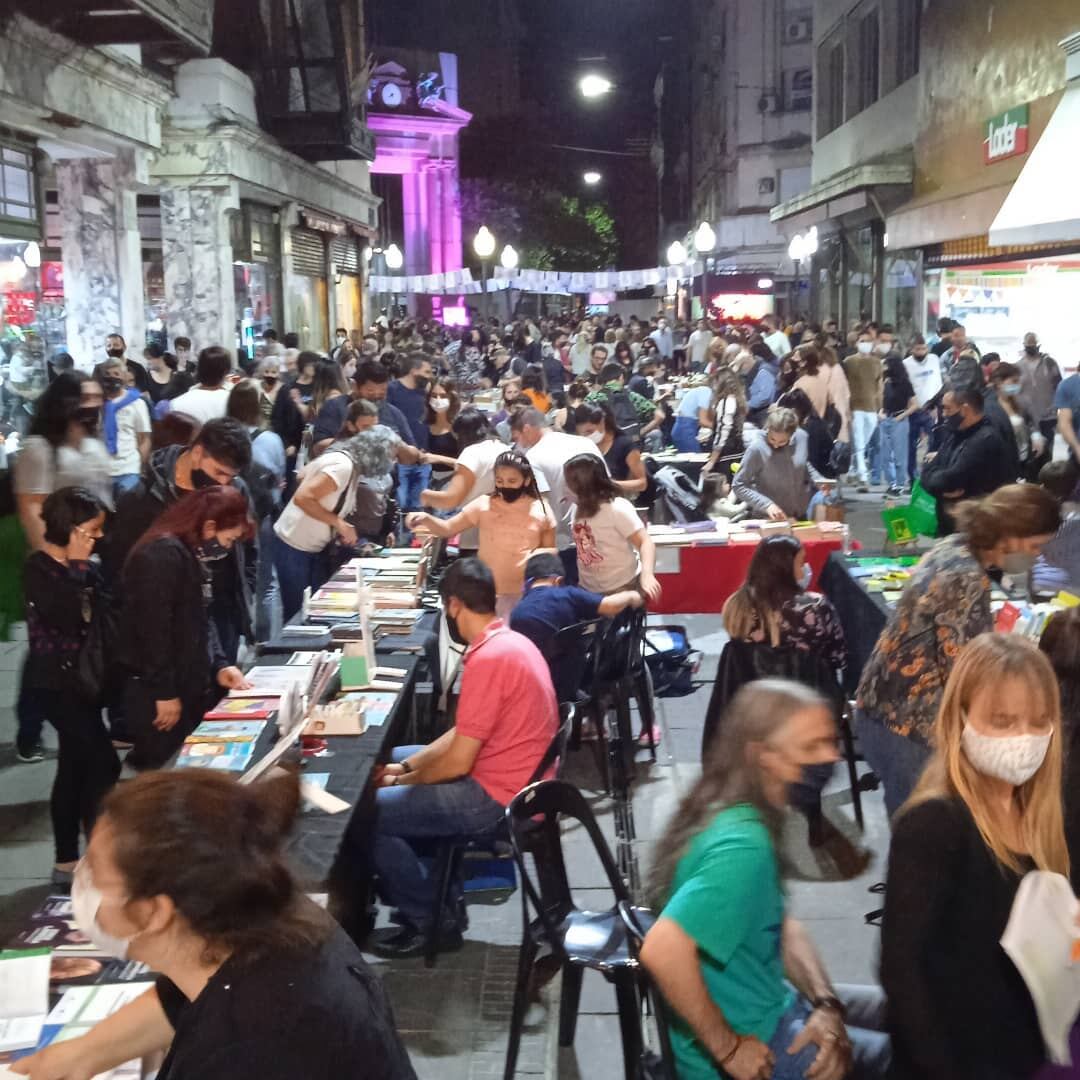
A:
[(797, 29), (766, 185)]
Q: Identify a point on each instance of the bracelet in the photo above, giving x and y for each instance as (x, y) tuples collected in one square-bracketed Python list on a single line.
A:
[(830, 1001), (734, 1050)]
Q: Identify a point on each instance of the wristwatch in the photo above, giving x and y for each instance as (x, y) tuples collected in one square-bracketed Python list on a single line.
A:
[(830, 1001)]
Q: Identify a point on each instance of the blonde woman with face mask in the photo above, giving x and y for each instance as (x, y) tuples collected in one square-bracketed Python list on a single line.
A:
[(986, 812)]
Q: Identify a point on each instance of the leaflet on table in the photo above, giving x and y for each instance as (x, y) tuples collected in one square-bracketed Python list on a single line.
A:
[(84, 1006), (24, 996), (377, 705), (271, 680)]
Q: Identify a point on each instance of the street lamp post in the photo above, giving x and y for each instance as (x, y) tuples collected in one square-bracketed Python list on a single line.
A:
[(704, 243), (484, 246), (509, 260), (394, 259)]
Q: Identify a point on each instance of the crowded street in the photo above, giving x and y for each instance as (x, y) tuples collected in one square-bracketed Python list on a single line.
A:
[(539, 540)]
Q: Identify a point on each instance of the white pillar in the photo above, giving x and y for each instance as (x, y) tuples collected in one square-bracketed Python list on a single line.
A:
[(102, 254), (200, 300)]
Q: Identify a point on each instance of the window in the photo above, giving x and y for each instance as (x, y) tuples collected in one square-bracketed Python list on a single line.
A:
[(798, 90), (908, 28), (831, 83), (869, 63), (18, 188)]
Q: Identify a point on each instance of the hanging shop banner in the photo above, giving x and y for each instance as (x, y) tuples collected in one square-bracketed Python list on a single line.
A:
[(1006, 135)]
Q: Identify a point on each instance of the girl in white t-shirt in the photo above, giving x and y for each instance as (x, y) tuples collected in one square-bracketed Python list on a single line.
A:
[(513, 522), (614, 551)]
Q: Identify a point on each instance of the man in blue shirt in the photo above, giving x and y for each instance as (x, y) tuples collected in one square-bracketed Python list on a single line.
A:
[(549, 606), (409, 395), (370, 383), (1067, 403)]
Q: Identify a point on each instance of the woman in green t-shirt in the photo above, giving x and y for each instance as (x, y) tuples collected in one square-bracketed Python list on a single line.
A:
[(745, 988)]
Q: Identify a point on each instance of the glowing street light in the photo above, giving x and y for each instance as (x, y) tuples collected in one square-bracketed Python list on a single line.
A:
[(704, 238), (484, 243), (32, 255), (368, 252), (484, 246), (509, 258), (592, 177), (676, 253), (765, 283), (394, 257), (594, 86)]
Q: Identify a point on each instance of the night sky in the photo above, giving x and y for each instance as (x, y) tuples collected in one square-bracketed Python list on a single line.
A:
[(541, 48)]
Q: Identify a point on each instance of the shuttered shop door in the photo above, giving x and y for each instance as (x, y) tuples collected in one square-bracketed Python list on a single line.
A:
[(345, 254), (308, 253)]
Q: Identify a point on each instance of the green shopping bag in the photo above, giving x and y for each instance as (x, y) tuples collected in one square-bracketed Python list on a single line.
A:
[(922, 511), (898, 526)]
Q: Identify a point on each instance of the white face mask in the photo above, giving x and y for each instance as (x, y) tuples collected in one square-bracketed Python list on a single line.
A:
[(865, 347), (883, 348), (439, 404), (1012, 758), (85, 902), (596, 437), (806, 576)]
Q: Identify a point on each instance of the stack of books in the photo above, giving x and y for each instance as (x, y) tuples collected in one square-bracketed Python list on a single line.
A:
[(225, 745)]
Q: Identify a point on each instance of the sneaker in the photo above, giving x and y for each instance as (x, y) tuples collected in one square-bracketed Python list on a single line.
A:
[(411, 941), (29, 755), (893, 492), (863, 488)]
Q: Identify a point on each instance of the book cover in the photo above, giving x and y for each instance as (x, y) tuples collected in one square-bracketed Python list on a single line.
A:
[(225, 755), (255, 708), (377, 705)]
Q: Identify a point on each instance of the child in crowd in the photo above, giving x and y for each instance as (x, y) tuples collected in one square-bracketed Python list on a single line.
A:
[(512, 523), (614, 551)]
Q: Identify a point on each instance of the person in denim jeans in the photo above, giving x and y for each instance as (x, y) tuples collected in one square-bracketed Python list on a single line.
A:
[(898, 402), (409, 395), (460, 785), (747, 994)]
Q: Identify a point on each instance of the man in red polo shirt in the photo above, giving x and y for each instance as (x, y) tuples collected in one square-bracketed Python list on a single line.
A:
[(460, 784)]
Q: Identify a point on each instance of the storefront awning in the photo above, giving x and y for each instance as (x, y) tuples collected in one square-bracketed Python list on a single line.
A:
[(1044, 203), (857, 178)]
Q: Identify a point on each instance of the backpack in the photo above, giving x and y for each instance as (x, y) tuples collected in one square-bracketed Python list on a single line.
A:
[(262, 484), (626, 416), (676, 497), (672, 662)]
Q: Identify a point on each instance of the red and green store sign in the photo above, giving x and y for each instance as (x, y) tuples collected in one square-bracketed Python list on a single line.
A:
[(1006, 135)]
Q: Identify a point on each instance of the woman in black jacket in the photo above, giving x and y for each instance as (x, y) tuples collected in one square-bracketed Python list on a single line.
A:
[(169, 643), (59, 584)]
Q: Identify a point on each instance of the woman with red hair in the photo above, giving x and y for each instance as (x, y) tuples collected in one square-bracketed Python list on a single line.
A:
[(169, 643)]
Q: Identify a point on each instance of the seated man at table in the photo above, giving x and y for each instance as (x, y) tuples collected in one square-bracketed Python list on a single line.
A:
[(549, 605), (459, 785), (775, 477)]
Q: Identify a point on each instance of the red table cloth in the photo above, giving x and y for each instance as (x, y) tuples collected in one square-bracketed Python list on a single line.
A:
[(709, 574)]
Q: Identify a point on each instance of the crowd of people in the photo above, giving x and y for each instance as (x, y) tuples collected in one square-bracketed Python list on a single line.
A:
[(216, 490)]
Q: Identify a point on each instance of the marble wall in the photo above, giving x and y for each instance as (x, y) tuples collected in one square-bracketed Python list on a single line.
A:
[(102, 254), (200, 300)]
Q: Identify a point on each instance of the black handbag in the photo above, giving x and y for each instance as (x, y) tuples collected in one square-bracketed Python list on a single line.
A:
[(93, 667)]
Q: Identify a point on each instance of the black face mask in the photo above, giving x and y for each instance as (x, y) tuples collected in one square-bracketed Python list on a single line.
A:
[(88, 417), (211, 550), (509, 494), (953, 422), (116, 354), (422, 382), (1031, 350), (110, 384), (806, 790), (200, 479), (455, 632)]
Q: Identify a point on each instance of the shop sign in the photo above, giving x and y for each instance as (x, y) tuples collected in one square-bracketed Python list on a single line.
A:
[(1006, 135), (322, 224)]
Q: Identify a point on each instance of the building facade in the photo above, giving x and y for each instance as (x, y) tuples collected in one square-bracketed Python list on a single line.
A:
[(751, 92), (928, 194), (165, 174)]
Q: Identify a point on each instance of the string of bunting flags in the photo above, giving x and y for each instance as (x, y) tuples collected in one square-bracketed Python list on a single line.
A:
[(535, 281)]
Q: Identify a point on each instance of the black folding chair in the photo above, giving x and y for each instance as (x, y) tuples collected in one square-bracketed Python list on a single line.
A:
[(658, 1064), (453, 850), (579, 939)]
